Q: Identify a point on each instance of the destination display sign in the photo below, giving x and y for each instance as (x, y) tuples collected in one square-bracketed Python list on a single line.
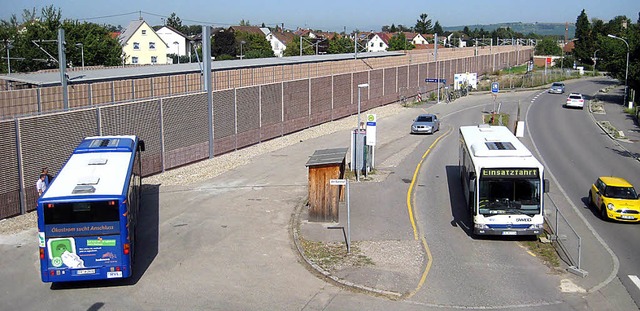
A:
[(510, 173)]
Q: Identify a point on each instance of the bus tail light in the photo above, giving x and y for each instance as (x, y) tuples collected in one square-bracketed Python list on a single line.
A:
[(127, 248), (41, 253)]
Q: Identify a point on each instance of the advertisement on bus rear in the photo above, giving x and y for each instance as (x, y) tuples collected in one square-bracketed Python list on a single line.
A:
[(82, 245)]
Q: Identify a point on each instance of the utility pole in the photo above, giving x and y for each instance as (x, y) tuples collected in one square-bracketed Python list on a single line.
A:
[(62, 62)]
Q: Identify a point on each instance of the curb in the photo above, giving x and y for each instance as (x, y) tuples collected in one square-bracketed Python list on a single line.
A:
[(295, 226), (616, 140)]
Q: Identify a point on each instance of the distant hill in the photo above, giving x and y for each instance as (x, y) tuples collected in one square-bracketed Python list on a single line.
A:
[(543, 29)]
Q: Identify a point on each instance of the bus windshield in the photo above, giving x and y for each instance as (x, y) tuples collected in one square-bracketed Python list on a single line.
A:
[(81, 212), (509, 196)]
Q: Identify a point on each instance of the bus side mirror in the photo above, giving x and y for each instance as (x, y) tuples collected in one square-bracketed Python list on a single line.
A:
[(141, 145), (546, 186)]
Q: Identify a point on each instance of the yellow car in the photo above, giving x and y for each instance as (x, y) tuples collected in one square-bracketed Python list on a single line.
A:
[(616, 199)]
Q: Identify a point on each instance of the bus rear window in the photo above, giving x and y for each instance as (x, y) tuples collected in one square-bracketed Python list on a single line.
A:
[(81, 212)]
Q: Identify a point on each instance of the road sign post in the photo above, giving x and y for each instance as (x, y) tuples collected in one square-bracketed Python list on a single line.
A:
[(344, 182), (495, 88)]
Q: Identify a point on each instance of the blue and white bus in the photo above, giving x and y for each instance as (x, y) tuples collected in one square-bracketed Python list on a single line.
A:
[(502, 181), (87, 216)]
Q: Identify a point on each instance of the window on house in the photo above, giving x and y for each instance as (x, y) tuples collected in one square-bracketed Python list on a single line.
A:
[(154, 59), (134, 60), (371, 44), (380, 44), (152, 45), (144, 32), (136, 45)]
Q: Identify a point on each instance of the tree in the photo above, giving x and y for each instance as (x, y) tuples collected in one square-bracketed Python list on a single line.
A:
[(255, 46), (224, 43), (423, 25), (548, 46), (583, 49), (399, 42), (174, 22), (293, 48), (402, 28), (466, 31), (99, 48), (340, 45), (438, 29)]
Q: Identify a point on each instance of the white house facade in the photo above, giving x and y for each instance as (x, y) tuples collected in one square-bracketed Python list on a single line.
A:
[(377, 44), (419, 39), (142, 46), (178, 43)]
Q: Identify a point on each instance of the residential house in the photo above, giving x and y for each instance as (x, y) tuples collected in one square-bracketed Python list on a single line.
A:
[(179, 43), (415, 38), (378, 41), (279, 41), (141, 45)]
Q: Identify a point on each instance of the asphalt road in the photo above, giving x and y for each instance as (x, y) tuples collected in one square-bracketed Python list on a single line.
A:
[(582, 154)]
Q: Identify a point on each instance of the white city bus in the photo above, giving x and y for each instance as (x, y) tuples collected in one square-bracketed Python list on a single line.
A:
[(502, 181)]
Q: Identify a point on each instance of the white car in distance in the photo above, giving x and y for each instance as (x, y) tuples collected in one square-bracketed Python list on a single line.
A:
[(575, 100)]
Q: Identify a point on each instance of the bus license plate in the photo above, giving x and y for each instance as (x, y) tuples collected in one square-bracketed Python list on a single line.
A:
[(86, 271), (114, 274), (508, 233)]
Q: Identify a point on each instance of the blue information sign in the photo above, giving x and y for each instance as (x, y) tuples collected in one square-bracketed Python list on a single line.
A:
[(434, 80), (494, 87)]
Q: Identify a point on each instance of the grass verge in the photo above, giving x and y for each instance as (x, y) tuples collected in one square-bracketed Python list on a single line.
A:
[(332, 256)]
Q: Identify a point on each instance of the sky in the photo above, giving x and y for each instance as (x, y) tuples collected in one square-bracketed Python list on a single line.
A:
[(329, 15)]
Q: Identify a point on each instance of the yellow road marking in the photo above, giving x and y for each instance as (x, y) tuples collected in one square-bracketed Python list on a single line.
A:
[(410, 198)]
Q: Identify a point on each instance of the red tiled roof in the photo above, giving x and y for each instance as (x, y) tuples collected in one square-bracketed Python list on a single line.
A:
[(568, 48), (284, 37)]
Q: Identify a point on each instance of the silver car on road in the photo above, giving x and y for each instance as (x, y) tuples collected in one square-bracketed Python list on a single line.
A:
[(425, 123)]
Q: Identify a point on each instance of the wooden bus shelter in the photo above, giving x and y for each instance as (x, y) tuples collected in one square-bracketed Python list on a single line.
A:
[(324, 199)]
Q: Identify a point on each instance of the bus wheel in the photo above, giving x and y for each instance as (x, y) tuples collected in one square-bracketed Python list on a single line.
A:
[(590, 202)]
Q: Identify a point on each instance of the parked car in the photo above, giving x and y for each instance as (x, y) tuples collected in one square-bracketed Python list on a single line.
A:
[(615, 198), (425, 123), (574, 100), (557, 88)]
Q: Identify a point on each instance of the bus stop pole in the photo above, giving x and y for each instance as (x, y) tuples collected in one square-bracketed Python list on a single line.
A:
[(348, 221)]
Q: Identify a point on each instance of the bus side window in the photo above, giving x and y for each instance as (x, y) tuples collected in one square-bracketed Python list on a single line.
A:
[(472, 182)]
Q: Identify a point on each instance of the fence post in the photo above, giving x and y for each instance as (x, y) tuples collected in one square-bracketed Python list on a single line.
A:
[(22, 194), (162, 143)]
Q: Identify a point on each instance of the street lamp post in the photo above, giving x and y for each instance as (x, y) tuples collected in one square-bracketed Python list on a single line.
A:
[(595, 59), (241, 44), (177, 50), (81, 53), (8, 47), (626, 71), (358, 146)]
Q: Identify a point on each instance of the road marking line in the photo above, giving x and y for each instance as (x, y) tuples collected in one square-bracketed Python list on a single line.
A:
[(635, 280), (410, 198)]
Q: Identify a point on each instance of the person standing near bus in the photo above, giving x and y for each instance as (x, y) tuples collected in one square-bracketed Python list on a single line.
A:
[(48, 179), (41, 184)]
